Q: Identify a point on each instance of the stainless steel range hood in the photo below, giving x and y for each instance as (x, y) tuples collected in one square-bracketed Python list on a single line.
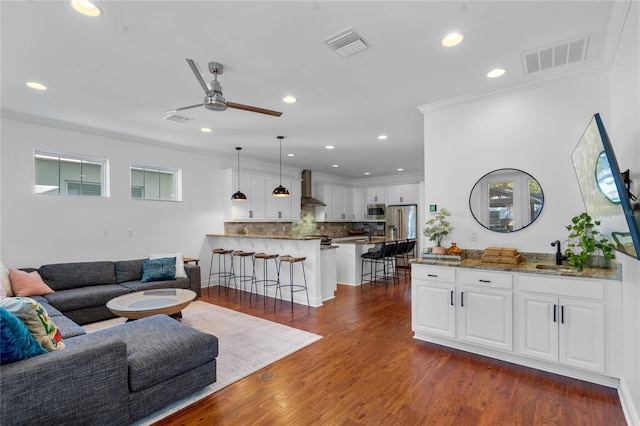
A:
[(307, 190)]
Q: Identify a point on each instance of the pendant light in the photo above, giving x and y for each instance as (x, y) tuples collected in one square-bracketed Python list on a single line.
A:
[(280, 191), (238, 196)]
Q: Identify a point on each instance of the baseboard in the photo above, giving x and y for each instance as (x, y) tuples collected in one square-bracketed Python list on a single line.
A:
[(628, 407)]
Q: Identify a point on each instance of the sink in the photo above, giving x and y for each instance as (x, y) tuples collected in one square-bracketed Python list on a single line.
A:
[(559, 268)]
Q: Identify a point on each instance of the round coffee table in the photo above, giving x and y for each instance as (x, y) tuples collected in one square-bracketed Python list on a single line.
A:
[(168, 301)]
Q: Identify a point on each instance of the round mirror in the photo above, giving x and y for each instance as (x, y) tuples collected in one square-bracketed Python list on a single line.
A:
[(506, 200)]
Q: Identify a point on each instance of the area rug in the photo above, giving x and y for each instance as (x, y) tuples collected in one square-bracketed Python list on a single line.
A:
[(246, 344)]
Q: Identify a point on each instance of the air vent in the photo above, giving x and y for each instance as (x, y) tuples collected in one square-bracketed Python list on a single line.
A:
[(555, 55), (346, 42), (178, 118)]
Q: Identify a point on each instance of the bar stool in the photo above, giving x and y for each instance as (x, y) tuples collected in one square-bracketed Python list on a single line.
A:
[(222, 274), (372, 258), (292, 287), (266, 282), (242, 268)]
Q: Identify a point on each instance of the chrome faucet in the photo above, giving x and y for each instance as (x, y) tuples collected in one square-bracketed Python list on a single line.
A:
[(368, 228), (559, 256)]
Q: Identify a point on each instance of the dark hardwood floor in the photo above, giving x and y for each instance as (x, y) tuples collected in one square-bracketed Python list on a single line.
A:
[(368, 370)]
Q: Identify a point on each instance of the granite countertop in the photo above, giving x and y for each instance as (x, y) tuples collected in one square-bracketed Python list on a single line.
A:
[(276, 237), (530, 267)]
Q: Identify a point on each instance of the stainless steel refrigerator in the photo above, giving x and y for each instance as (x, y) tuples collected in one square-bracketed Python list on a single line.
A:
[(401, 222)]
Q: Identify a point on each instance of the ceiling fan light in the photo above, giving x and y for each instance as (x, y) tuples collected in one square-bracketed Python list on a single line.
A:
[(280, 191)]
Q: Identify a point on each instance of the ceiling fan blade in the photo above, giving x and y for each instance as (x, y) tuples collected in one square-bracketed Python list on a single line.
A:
[(198, 76), (253, 109), (171, 111)]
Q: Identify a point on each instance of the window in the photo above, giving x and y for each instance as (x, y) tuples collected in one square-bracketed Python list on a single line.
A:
[(70, 174), (156, 183)]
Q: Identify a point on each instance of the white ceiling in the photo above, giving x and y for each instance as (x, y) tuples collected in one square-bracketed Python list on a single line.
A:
[(121, 71)]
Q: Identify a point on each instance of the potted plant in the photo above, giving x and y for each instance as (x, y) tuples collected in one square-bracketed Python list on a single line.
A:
[(584, 240), (437, 230)]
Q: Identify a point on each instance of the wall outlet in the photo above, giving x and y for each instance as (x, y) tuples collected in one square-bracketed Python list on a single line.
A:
[(105, 233), (130, 233), (473, 236)]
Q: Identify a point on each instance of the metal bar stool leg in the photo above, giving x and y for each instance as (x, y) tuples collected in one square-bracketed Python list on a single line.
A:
[(292, 286)]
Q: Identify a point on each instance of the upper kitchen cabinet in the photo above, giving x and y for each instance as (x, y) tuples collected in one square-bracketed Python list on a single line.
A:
[(376, 195), (282, 208), (339, 203), (402, 194), (260, 204), (359, 205)]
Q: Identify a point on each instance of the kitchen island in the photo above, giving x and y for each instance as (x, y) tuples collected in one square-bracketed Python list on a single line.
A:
[(320, 263)]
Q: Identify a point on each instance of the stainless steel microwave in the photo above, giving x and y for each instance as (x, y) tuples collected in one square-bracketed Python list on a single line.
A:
[(376, 211)]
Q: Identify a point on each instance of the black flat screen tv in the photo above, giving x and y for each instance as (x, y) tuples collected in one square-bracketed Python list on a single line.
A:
[(606, 197)]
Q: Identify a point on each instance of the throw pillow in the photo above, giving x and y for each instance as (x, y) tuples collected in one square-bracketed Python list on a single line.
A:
[(180, 271), (35, 317), (28, 283), (6, 282), (16, 343), (159, 269)]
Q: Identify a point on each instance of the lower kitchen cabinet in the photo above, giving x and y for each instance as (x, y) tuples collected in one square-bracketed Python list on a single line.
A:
[(564, 325)]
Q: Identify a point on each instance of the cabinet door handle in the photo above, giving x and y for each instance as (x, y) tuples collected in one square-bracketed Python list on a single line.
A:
[(555, 307), (462, 299), (485, 281), (562, 314), (452, 302), (279, 215), (432, 275)]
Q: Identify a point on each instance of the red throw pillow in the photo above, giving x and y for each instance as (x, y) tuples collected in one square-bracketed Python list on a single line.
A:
[(28, 283)]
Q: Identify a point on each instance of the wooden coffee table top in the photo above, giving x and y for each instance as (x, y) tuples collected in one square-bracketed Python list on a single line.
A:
[(168, 301)]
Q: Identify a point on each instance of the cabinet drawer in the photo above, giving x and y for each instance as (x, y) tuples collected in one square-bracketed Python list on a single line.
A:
[(485, 278), (571, 287), (433, 273)]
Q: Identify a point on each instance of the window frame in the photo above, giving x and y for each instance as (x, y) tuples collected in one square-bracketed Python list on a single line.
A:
[(105, 191), (174, 171)]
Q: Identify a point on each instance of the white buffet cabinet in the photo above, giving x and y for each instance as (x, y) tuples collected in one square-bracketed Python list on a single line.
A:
[(564, 325)]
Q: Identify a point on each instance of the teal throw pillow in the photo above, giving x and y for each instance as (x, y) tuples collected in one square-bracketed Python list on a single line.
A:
[(16, 342), (159, 269)]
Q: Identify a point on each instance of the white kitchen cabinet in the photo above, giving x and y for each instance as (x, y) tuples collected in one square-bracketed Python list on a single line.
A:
[(564, 325), (562, 330), (474, 314), (253, 186), (282, 208), (339, 204), (359, 205), (402, 194), (376, 195)]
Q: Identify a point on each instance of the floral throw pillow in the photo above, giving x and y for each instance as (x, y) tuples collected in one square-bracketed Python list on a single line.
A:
[(35, 317)]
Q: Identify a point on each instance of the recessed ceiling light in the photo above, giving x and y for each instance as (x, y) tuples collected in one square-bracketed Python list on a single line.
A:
[(86, 7), (291, 155), (382, 137), (329, 146), (205, 130), (367, 173), (452, 39), (496, 73), (36, 85), (335, 165), (289, 100), (401, 170)]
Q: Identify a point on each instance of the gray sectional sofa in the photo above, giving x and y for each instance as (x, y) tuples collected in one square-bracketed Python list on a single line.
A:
[(112, 376)]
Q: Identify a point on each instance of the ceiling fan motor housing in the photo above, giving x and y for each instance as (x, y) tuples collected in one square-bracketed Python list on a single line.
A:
[(215, 102)]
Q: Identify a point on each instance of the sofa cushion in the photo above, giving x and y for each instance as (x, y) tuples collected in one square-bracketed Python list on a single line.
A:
[(16, 342), (63, 276), (140, 286), (161, 269), (35, 317), (85, 297), (158, 348), (28, 283), (6, 283), (128, 270)]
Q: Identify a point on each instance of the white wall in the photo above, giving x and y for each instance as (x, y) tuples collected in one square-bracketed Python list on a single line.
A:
[(624, 132), (36, 229), (534, 131)]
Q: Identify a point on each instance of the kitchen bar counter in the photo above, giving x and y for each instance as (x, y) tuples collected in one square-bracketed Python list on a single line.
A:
[(320, 263)]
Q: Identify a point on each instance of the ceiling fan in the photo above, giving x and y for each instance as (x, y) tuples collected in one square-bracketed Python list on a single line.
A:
[(214, 100)]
